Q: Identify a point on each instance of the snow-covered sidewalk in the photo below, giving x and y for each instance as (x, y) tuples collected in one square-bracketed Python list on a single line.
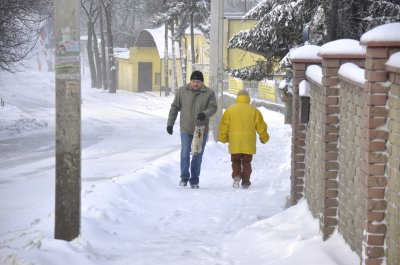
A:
[(133, 211)]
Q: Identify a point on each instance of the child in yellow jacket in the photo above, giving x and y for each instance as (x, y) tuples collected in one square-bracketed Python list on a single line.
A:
[(239, 126)]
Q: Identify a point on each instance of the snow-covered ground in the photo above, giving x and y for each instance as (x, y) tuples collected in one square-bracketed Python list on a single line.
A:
[(133, 211)]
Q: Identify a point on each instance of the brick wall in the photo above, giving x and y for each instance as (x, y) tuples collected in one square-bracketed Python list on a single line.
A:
[(345, 159), (313, 182), (351, 138)]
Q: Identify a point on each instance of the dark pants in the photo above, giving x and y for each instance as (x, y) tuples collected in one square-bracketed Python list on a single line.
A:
[(241, 167)]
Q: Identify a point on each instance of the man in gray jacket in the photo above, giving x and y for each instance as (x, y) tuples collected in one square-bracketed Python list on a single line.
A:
[(195, 102)]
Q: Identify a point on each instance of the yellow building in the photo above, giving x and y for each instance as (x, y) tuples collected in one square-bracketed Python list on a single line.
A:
[(236, 58), (143, 68)]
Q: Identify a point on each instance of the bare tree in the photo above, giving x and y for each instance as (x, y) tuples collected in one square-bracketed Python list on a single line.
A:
[(108, 6), (92, 12), (166, 59), (174, 82), (103, 52), (20, 22), (180, 15), (334, 20)]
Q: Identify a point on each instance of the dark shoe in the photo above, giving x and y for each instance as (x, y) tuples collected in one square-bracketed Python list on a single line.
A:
[(245, 186), (183, 183), (194, 186)]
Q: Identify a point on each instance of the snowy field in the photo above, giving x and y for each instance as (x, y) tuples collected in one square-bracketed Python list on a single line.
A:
[(133, 211)]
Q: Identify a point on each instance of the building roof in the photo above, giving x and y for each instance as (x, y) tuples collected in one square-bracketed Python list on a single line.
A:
[(156, 38)]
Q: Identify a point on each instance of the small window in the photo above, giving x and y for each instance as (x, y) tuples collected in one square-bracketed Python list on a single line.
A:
[(304, 109)]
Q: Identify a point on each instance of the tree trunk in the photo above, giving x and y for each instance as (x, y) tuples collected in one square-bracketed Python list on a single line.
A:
[(97, 60), (92, 66), (111, 59), (183, 62), (103, 53), (174, 75), (334, 20), (166, 60), (192, 39)]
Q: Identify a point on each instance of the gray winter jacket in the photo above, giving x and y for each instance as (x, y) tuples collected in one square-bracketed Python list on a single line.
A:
[(190, 103)]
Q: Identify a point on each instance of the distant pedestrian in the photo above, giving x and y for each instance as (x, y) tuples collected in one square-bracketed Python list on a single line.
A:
[(239, 125), (196, 104)]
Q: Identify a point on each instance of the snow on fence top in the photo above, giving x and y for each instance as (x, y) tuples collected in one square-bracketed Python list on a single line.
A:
[(352, 72), (393, 64), (304, 89), (305, 53), (343, 48), (314, 72), (383, 35)]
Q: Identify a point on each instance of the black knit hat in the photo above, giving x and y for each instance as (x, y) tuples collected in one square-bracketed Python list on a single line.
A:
[(197, 75)]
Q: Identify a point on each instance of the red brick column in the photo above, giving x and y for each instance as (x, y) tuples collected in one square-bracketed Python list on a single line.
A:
[(298, 130), (375, 156)]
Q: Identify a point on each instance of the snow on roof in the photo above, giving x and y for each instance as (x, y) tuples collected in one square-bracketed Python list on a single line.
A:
[(158, 35), (394, 60), (383, 33), (352, 72), (306, 52), (342, 47), (314, 72)]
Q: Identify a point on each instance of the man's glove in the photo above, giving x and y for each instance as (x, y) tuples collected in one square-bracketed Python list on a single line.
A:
[(169, 129), (201, 116)]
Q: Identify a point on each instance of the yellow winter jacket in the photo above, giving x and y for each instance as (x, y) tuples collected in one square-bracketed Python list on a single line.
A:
[(239, 125)]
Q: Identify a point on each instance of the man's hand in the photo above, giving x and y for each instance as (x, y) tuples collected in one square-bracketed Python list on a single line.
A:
[(201, 116), (169, 129)]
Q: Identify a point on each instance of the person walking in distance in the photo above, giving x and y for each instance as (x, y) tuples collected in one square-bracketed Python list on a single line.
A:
[(196, 104), (239, 125)]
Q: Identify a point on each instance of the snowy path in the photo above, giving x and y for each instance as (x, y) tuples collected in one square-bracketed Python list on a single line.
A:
[(133, 211), (131, 202), (191, 226)]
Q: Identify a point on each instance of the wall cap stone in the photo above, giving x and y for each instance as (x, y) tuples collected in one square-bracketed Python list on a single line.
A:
[(382, 36), (306, 60)]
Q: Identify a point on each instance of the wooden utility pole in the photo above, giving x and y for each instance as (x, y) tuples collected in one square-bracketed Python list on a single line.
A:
[(68, 120), (216, 65)]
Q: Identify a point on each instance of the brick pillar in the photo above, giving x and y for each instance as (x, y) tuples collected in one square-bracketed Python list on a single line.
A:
[(330, 113), (298, 131), (330, 116), (375, 153)]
